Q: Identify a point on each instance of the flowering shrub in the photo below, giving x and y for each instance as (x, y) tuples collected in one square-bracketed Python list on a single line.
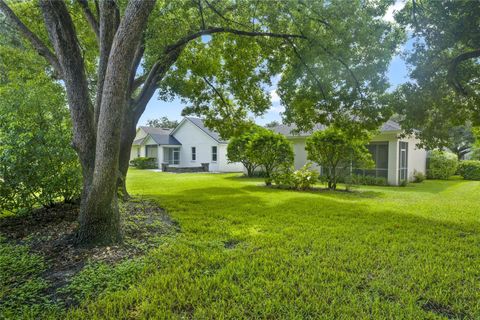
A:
[(301, 179)]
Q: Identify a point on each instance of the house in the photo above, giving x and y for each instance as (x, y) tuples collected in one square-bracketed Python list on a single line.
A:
[(396, 158), (189, 145)]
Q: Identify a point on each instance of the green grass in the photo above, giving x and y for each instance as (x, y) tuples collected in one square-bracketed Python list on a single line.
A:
[(246, 251)]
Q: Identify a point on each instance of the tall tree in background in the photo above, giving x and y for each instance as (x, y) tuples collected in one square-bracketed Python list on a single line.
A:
[(223, 54), (162, 122), (444, 90)]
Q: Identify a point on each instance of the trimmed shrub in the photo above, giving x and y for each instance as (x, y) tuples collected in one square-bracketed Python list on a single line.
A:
[(469, 169), (418, 177), (441, 165), (144, 163)]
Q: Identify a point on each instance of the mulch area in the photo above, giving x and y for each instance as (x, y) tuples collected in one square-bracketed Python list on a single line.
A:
[(50, 232)]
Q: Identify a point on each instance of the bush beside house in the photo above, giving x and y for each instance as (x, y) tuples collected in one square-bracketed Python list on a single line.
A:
[(469, 169), (144, 163), (441, 165)]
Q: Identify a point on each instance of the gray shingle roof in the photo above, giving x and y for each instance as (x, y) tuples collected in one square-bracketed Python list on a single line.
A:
[(159, 135), (286, 130), (199, 123), (164, 139)]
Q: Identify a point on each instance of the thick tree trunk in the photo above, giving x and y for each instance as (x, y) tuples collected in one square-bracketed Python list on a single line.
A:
[(99, 215)]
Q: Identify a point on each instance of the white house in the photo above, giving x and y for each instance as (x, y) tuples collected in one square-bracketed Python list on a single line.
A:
[(395, 158), (189, 145)]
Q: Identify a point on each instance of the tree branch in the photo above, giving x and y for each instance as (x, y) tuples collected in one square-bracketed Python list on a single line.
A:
[(215, 90), (90, 17), (109, 20), (218, 13), (452, 70), (157, 72), (62, 33), (35, 41), (307, 67), (212, 30)]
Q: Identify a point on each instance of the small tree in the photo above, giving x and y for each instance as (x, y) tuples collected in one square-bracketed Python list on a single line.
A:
[(271, 151), (238, 150), (335, 151)]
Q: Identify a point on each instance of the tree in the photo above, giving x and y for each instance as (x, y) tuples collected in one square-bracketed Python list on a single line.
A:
[(444, 67), (461, 140), (271, 151), (162, 122), (238, 150), (272, 124), (111, 69), (336, 151)]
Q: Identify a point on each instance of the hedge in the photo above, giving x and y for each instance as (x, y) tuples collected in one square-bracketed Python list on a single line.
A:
[(469, 169), (441, 165), (144, 163)]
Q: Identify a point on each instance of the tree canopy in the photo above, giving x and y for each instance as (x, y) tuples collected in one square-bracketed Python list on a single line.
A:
[(443, 90)]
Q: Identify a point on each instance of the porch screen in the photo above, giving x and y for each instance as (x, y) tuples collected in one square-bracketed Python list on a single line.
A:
[(379, 151)]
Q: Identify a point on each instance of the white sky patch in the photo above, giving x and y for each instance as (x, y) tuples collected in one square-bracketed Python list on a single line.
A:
[(277, 108), (274, 96), (397, 6)]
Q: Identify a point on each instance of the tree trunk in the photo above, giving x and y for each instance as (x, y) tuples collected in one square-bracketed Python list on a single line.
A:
[(128, 135), (99, 214)]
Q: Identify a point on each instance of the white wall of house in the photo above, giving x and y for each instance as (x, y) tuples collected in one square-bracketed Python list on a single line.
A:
[(417, 158), (223, 164), (189, 135)]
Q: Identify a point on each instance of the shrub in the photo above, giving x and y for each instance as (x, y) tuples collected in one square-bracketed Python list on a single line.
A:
[(38, 166), (301, 179), (469, 169), (441, 165), (144, 163), (418, 177)]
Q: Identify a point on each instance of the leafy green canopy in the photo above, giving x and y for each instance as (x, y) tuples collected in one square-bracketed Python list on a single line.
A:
[(336, 151), (443, 90), (334, 64), (37, 164)]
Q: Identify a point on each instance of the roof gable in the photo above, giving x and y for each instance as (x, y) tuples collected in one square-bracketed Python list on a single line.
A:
[(197, 122)]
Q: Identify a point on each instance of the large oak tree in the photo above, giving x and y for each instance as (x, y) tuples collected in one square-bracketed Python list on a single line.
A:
[(217, 55)]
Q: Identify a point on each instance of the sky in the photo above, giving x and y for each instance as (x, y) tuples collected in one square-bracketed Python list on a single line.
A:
[(397, 74)]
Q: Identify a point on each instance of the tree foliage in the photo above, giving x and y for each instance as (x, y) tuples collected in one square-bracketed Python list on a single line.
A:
[(238, 150), (443, 91), (337, 151), (37, 164), (271, 151), (162, 122)]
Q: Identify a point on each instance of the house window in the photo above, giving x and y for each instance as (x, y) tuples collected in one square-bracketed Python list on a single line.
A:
[(214, 154), (379, 152), (194, 153), (403, 161), (138, 152)]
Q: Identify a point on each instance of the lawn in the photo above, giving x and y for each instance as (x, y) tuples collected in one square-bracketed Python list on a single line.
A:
[(247, 251)]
